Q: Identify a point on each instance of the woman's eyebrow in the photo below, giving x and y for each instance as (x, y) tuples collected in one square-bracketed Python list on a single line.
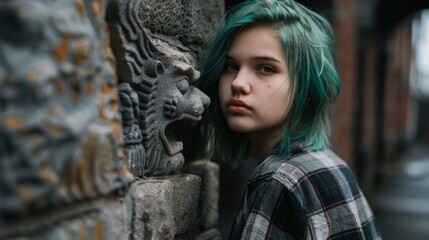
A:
[(266, 58), (259, 58)]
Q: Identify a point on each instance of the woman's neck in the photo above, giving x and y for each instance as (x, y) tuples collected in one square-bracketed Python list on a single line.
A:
[(262, 144)]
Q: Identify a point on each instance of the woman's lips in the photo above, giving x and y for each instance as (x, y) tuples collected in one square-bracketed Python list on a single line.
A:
[(237, 106)]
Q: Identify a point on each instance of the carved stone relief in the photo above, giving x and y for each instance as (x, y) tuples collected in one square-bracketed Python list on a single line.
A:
[(60, 126), (156, 93)]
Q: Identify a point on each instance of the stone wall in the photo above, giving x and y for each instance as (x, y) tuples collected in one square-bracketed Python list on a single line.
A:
[(97, 104)]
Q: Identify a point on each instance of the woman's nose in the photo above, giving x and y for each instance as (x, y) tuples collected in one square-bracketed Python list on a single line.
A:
[(240, 84)]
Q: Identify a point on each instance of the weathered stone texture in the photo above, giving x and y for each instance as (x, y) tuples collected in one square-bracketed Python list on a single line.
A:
[(209, 173), (186, 205), (102, 219), (60, 126), (118, 215), (150, 202), (191, 21), (164, 207)]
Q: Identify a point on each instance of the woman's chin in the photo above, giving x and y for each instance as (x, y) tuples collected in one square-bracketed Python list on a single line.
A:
[(239, 128)]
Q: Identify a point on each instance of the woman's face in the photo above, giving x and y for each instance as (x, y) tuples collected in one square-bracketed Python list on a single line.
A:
[(254, 89)]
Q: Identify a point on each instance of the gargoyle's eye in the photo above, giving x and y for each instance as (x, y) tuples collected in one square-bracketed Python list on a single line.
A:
[(183, 86)]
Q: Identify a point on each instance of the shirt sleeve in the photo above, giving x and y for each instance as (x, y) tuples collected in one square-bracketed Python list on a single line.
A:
[(270, 211)]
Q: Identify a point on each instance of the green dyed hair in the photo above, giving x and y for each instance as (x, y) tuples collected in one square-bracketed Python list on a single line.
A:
[(306, 39)]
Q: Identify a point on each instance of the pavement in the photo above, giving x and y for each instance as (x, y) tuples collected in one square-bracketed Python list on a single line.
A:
[(401, 206)]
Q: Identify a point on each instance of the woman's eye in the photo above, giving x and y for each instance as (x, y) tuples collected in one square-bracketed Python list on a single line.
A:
[(266, 70), (230, 67)]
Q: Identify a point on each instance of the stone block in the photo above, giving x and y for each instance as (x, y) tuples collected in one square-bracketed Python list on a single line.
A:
[(164, 207), (204, 16), (186, 197), (115, 210), (191, 21), (209, 173), (150, 202), (162, 16)]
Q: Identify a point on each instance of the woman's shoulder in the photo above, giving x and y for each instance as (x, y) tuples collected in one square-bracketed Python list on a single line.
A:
[(319, 179), (311, 164), (306, 169), (327, 189)]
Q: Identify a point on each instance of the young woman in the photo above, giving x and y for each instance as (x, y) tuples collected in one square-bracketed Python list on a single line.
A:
[(271, 77)]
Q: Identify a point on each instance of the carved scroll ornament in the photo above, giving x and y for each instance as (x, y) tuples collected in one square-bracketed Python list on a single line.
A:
[(156, 92)]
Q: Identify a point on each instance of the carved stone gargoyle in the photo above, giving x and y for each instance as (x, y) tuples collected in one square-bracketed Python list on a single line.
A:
[(155, 92)]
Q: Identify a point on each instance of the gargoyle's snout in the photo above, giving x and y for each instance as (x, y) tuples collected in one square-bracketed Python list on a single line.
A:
[(204, 99)]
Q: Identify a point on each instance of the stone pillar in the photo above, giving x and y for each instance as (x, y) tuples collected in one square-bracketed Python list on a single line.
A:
[(62, 166), (157, 45)]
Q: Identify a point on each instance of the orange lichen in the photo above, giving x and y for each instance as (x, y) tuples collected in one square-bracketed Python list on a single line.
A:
[(80, 8), (90, 88), (113, 104), (58, 86), (50, 126), (53, 111), (116, 130), (26, 196), (14, 122), (99, 230), (82, 51), (100, 5), (105, 46), (48, 175), (121, 155), (32, 75), (23, 192), (94, 10), (36, 151), (103, 115), (105, 90), (83, 233), (84, 170), (75, 97), (61, 52), (97, 8)]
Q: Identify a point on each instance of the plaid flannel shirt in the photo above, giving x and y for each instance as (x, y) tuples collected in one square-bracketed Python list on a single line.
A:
[(310, 195)]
